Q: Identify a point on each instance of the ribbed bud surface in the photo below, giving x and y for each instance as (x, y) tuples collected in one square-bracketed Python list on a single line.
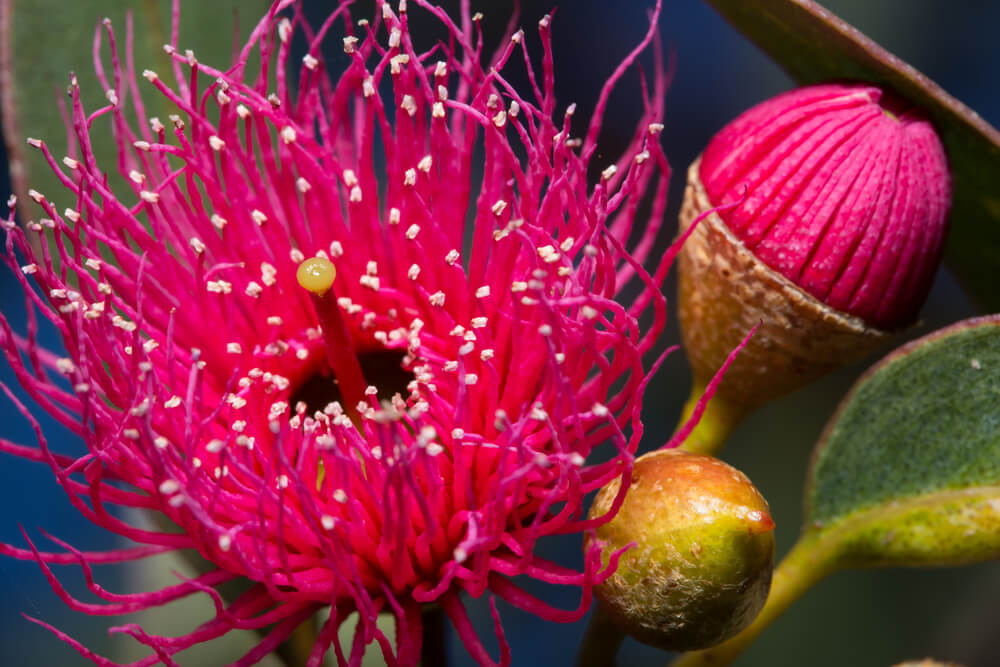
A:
[(846, 195)]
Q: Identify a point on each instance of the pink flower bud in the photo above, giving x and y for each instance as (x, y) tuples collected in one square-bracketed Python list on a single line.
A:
[(846, 194)]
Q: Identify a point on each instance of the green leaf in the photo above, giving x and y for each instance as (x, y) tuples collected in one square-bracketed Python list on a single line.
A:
[(907, 471), (814, 45), (48, 39)]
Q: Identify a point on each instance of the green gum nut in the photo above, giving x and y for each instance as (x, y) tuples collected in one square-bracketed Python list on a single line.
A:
[(700, 568)]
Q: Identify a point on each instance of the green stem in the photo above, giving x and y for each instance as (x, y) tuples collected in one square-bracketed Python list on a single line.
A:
[(717, 423), (434, 649), (812, 558), (294, 651), (601, 641)]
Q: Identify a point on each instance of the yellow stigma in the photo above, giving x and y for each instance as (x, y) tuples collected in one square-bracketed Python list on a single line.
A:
[(316, 274)]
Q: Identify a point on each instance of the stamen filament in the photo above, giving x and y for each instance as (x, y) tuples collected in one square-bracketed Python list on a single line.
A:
[(316, 275)]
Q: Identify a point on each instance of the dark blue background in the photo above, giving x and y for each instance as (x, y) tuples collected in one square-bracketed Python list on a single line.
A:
[(857, 618)]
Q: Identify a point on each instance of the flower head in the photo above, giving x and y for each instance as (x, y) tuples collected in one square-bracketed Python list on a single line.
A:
[(847, 194), (358, 338)]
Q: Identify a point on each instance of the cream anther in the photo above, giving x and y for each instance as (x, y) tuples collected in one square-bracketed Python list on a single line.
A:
[(268, 273), (219, 286), (396, 63), (169, 487)]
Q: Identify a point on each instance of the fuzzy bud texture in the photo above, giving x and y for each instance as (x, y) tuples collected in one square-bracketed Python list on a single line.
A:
[(847, 193), (703, 551), (462, 282)]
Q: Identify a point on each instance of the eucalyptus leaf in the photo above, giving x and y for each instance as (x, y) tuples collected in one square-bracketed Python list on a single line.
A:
[(907, 472), (908, 469), (46, 40), (813, 45)]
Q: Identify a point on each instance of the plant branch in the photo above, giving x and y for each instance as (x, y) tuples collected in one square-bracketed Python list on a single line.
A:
[(294, 651), (718, 421), (600, 642), (434, 647)]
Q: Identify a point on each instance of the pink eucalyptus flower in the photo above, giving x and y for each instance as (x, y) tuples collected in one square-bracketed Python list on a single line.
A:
[(475, 327)]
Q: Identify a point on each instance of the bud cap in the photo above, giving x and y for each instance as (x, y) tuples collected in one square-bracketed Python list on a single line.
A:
[(847, 193), (725, 291)]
